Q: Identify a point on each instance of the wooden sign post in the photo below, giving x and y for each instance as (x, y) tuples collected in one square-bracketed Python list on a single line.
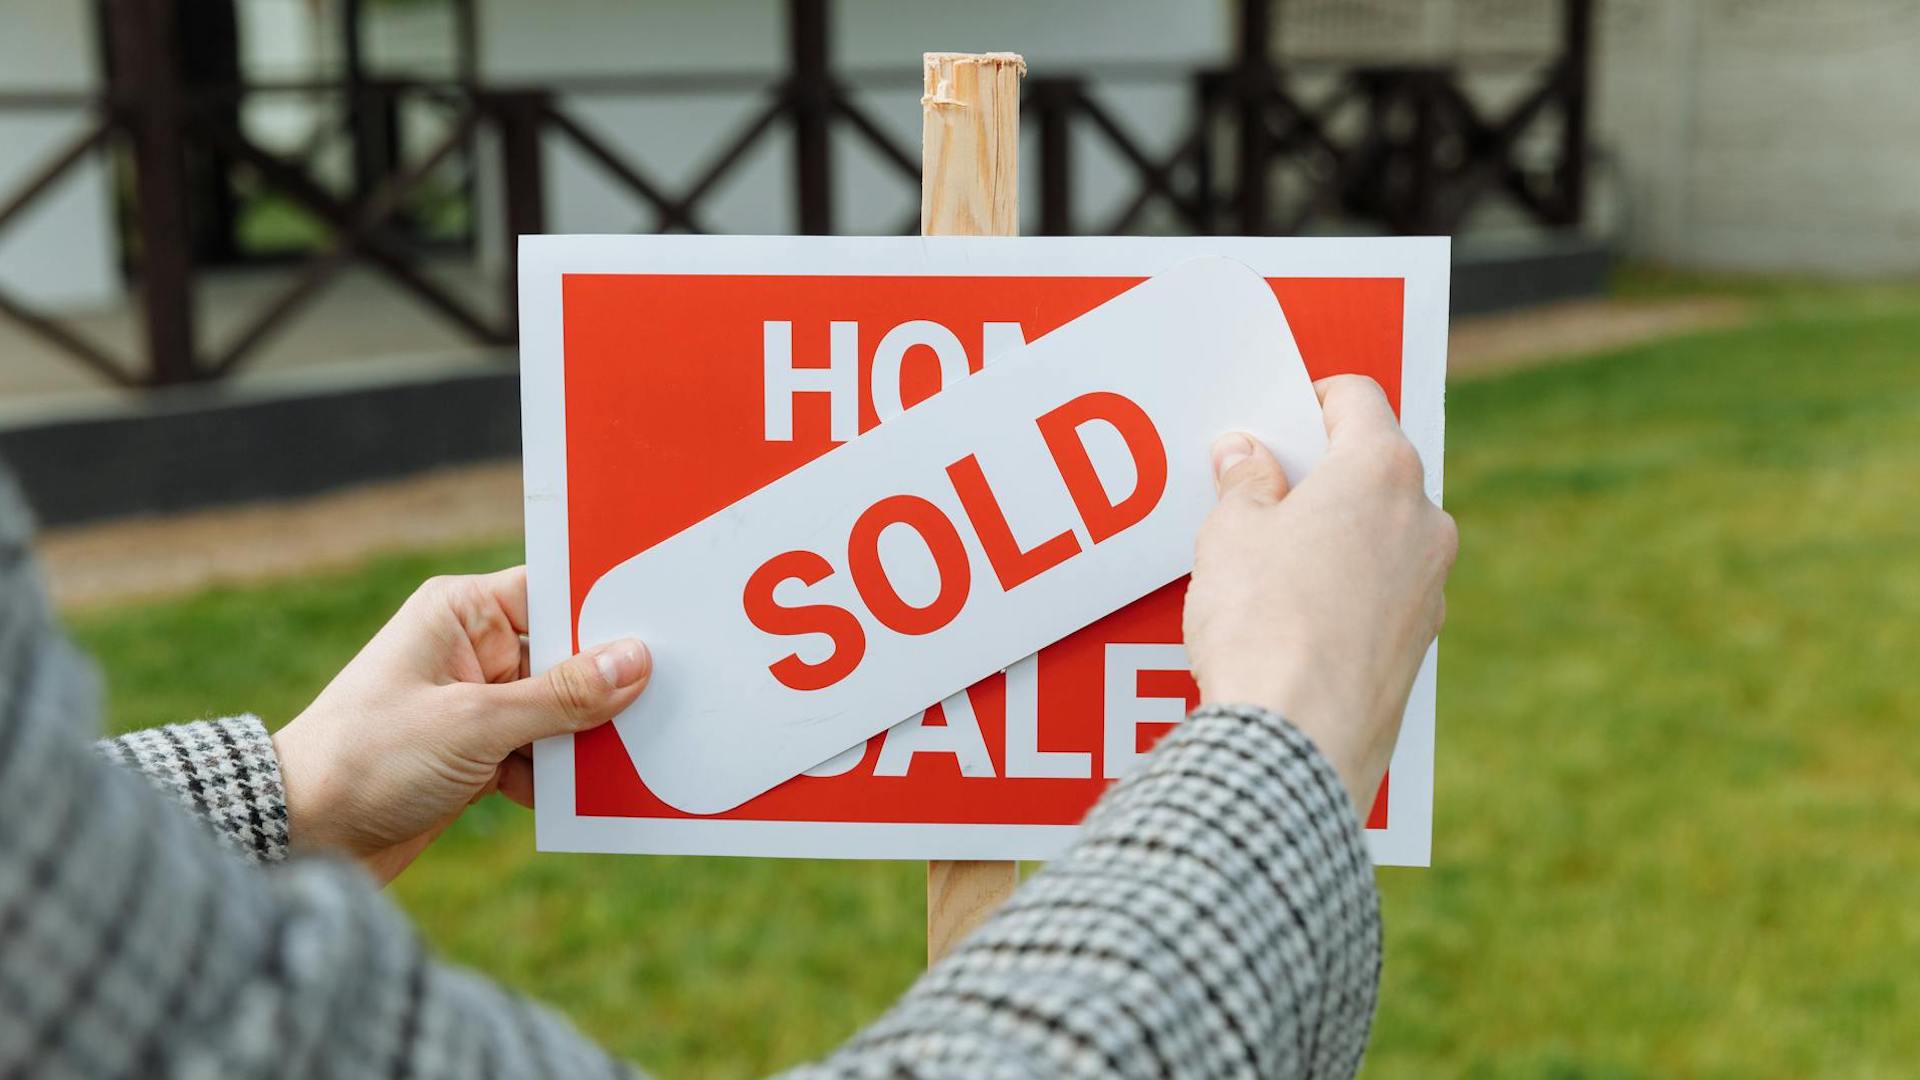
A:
[(969, 186), (609, 323)]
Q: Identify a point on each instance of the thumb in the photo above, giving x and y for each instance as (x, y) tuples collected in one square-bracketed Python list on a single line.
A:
[(582, 692), (1247, 471)]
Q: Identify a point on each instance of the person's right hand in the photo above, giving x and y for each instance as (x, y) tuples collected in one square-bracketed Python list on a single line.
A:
[(1319, 603)]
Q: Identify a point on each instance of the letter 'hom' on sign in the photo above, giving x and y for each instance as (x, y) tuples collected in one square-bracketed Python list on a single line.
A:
[(1016, 506)]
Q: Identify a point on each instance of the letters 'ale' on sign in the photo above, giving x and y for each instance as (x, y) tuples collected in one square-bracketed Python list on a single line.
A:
[(844, 627)]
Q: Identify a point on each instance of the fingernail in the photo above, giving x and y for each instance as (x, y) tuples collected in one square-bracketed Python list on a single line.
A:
[(1229, 450), (622, 663)]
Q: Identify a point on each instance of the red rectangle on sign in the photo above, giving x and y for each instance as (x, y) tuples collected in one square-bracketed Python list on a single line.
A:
[(667, 422)]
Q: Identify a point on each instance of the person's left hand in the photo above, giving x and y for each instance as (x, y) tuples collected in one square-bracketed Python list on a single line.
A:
[(436, 712)]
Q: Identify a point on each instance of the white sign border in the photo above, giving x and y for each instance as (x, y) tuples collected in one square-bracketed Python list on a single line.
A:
[(1423, 263)]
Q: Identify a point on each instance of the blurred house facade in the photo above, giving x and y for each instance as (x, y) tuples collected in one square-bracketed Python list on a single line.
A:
[(1745, 134), (191, 189), (164, 142), (1749, 135), (61, 253)]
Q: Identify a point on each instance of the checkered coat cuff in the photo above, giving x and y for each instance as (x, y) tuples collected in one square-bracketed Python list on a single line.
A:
[(1216, 919), (223, 771)]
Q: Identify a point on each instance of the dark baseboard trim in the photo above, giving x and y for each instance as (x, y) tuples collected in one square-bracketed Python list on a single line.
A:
[(206, 446), (1488, 278)]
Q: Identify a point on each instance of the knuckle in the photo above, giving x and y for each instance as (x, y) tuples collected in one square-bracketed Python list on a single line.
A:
[(1224, 529), (1207, 558), (1386, 458), (1252, 470), (1448, 533), (1402, 463), (437, 588), (1219, 522), (1337, 388), (468, 704), (571, 693)]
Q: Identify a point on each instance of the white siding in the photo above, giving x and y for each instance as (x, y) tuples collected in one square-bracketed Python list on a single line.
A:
[(60, 253), (1749, 134), (1738, 134), (1767, 134), (674, 137)]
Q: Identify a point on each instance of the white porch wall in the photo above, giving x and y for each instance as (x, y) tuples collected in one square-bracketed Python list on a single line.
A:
[(59, 255), (1766, 134), (1751, 134), (282, 40), (673, 137)]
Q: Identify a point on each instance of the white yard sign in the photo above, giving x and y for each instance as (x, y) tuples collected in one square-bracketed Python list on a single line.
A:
[(944, 637)]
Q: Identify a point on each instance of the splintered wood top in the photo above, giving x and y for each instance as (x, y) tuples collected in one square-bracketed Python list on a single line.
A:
[(970, 144)]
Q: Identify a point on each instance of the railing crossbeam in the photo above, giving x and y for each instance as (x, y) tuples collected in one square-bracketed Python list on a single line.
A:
[(672, 215), (67, 341), (1402, 146), (353, 233)]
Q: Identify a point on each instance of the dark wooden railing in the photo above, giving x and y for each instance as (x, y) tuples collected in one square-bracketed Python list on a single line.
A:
[(1399, 147)]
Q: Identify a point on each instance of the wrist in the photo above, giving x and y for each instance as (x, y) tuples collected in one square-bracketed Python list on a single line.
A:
[(307, 787), (1331, 724)]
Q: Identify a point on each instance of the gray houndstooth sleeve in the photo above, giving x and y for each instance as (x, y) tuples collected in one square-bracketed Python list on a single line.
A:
[(1217, 919), (223, 771), (131, 946)]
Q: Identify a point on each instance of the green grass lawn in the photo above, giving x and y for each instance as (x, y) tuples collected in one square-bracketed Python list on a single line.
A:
[(1679, 761)]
